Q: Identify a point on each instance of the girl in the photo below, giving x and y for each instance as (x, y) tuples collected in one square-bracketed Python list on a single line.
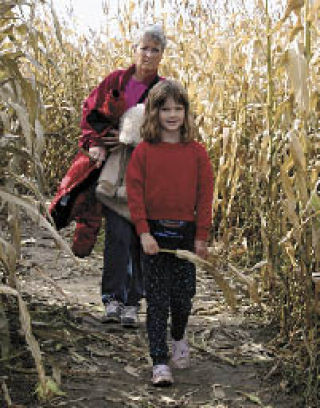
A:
[(170, 187)]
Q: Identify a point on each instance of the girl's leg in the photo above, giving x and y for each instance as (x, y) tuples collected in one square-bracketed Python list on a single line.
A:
[(182, 291), (157, 295), (183, 288)]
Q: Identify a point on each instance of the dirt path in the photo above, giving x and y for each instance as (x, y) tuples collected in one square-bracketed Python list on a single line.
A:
[(103, 365)]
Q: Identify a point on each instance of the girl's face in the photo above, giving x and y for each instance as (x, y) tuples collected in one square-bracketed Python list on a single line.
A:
[(171, 116)]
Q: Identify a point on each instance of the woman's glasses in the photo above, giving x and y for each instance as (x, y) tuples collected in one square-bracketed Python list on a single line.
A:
[(148, 50)]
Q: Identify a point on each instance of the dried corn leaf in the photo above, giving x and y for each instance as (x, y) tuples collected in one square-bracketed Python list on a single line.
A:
[(25, 321), (8, 257), (297, 151), (33, 212), (297, 71), (228, 292), (249, 282), (4, 333), (292, 6), (290, 203), (264, 156)]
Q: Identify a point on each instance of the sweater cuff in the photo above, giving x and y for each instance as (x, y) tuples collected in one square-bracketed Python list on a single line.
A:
[(202, 234), (142, 226)]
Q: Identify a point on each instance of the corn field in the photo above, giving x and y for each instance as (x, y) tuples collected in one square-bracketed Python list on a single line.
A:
[(253, 78)]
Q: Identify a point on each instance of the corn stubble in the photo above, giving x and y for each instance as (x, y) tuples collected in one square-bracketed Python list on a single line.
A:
[(253, 80)]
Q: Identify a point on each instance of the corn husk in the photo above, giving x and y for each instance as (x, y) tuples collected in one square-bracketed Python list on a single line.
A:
[(210, 265)]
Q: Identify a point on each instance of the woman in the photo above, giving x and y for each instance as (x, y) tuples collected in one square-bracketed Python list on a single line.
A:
[(121, 280)]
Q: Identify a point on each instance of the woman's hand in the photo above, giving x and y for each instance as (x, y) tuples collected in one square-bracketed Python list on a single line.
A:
[(111, 140), (98, 153), (149, 244), (201, 248)]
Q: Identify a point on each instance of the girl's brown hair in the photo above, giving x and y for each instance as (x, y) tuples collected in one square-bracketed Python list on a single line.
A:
[(150, 130)]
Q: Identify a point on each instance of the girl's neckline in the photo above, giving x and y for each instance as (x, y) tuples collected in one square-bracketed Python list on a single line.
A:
[(170, 144)]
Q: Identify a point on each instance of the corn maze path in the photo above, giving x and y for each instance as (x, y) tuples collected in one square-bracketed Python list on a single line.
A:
[(106, 366)]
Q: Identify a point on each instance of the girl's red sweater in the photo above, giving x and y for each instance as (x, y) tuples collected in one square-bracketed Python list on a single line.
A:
[(170, 181)]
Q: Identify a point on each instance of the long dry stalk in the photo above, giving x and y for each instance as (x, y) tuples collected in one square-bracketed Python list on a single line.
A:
[(47, 388)]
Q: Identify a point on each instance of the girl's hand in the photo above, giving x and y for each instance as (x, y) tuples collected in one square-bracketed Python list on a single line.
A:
[(98, 153), (149, 244), (201, 248)]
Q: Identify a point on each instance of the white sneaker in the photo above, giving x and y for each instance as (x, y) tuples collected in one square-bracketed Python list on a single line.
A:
[(129, 316), (112, 312), (162, 376), (180, 354)]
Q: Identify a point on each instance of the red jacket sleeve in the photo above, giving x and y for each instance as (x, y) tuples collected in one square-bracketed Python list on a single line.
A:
[(135, 182), (96, 98), (205, 195)]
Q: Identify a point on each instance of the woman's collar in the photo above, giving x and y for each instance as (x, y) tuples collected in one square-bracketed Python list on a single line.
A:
[(147, 80)]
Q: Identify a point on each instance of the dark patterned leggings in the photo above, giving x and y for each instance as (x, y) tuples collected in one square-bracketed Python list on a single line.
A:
[(170, 284)]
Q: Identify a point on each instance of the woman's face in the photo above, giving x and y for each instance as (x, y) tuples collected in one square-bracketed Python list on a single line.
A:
[(148, 55)]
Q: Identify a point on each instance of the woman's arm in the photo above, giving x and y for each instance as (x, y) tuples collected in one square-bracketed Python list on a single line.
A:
[(90, 137)]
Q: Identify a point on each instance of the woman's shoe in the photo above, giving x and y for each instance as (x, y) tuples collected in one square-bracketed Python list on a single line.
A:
[(113, 311), (162, 376), (129, 316)]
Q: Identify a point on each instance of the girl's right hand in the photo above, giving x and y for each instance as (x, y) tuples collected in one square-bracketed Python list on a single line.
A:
[(149, 244), (201, 248)]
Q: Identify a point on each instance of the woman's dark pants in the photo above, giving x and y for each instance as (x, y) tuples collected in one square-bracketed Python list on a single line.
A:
[(122, 276), (170, 284)]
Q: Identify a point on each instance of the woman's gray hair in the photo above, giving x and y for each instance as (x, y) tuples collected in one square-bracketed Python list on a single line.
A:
[(155, 32)]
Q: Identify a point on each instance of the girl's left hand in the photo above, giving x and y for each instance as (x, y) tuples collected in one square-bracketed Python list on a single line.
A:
[(201, 248)]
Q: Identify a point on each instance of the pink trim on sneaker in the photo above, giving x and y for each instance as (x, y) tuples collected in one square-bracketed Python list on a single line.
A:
[(180, 354)]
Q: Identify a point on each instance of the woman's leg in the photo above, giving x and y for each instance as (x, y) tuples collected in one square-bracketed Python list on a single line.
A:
[(121, 264), (135, 283)]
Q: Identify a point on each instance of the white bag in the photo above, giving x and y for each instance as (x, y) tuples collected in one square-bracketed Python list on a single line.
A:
[(111, 188)]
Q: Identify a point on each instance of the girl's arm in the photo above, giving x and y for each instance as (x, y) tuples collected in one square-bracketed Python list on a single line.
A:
[(135, 182), (205, 197)]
